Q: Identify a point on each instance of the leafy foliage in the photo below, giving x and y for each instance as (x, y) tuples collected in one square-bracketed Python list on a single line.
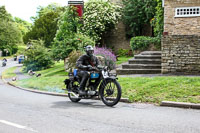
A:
[(138, 13), (158, 20), (72, 58), (22, 25), (38, 57), (67, 37), (4, 14), (143, 42), (10, 35), (122, 52), (99, 17), (45, 25), (108, 55)]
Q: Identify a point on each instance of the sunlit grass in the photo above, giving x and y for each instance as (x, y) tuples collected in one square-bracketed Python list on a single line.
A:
[(9, 73), (157, 89), (136, 89), (50, 80)]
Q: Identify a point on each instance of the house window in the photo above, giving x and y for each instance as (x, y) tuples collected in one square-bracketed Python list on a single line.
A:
[(187, 12)]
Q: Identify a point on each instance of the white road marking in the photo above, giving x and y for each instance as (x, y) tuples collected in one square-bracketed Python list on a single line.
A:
[(17, 125)]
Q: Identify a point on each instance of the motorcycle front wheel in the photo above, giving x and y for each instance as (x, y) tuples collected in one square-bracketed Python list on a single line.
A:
[(73, 85), (111, 92)]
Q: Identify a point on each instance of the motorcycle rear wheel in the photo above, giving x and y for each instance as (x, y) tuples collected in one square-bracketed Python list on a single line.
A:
[(72, 86), (111, 92)]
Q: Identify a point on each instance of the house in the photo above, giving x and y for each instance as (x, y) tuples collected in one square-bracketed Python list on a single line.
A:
[(181, 37)]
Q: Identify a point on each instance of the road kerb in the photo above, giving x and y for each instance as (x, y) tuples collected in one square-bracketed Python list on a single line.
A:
[(180, 104), (4, 80)]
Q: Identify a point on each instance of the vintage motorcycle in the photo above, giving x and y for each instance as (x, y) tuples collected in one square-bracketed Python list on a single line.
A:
[(108, 89), (3, 63)]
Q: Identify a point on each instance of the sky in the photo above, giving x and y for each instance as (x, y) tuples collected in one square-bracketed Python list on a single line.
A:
[(24, 9)]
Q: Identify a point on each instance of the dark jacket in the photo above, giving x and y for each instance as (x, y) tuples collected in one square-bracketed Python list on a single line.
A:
[(83, 62)]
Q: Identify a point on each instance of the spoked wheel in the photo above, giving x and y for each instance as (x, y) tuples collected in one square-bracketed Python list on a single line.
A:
[(73, 94), (111, 92)]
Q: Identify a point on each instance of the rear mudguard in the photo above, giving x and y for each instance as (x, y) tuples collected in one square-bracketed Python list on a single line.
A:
[(67, 81)]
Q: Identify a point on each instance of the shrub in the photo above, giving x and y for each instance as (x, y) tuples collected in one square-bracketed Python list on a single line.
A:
[(37, 57), (81, 41), (122, 52), (108, 55), (143, 42), (62, 49), (72, 58), (99, 17)]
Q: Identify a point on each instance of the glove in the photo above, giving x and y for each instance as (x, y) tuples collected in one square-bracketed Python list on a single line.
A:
[(89, 66), (92, 68)]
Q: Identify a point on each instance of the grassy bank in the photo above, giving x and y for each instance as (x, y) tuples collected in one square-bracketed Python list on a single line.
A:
[(137, 89), (157, 89), (9, 73), (50, 80)]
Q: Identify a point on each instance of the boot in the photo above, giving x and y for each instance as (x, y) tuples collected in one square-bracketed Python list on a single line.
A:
[(81, 91)]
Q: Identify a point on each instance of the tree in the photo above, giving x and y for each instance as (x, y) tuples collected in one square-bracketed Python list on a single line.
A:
[(4, 14), (45, 25), (137, 14), (10, 35), (99, 17), (38, 56), (68, 37), (23, 25)]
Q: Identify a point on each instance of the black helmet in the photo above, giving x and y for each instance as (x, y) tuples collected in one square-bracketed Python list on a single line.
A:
[(89, 50)]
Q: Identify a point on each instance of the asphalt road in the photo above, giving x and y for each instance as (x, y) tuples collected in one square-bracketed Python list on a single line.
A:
[(27, 112)]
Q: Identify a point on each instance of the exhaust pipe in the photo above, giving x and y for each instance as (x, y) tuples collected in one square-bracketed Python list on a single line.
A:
[(77, 96)]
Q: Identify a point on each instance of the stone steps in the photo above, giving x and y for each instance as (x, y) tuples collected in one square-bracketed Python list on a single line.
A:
[(137, 71), (151, 53), (147, 56), (141, 66), (144, 61), (147, 62)]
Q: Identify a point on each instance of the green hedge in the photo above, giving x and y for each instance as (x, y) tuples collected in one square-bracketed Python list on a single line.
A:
[(143, 42)]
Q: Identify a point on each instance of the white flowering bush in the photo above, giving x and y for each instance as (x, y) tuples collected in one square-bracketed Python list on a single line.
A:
[(99, 17)]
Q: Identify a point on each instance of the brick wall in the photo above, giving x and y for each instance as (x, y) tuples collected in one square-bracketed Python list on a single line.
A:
[(181, 54), (180, 26), (181, 47)]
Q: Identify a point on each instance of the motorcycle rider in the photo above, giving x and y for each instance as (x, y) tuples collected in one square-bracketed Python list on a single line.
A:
[(85, 64), (4, 62), (4, 59)]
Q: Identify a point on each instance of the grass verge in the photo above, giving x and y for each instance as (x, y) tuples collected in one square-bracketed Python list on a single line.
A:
[(7, 57), (50, 80), (9, 73), (157, 89), (136, 89)]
